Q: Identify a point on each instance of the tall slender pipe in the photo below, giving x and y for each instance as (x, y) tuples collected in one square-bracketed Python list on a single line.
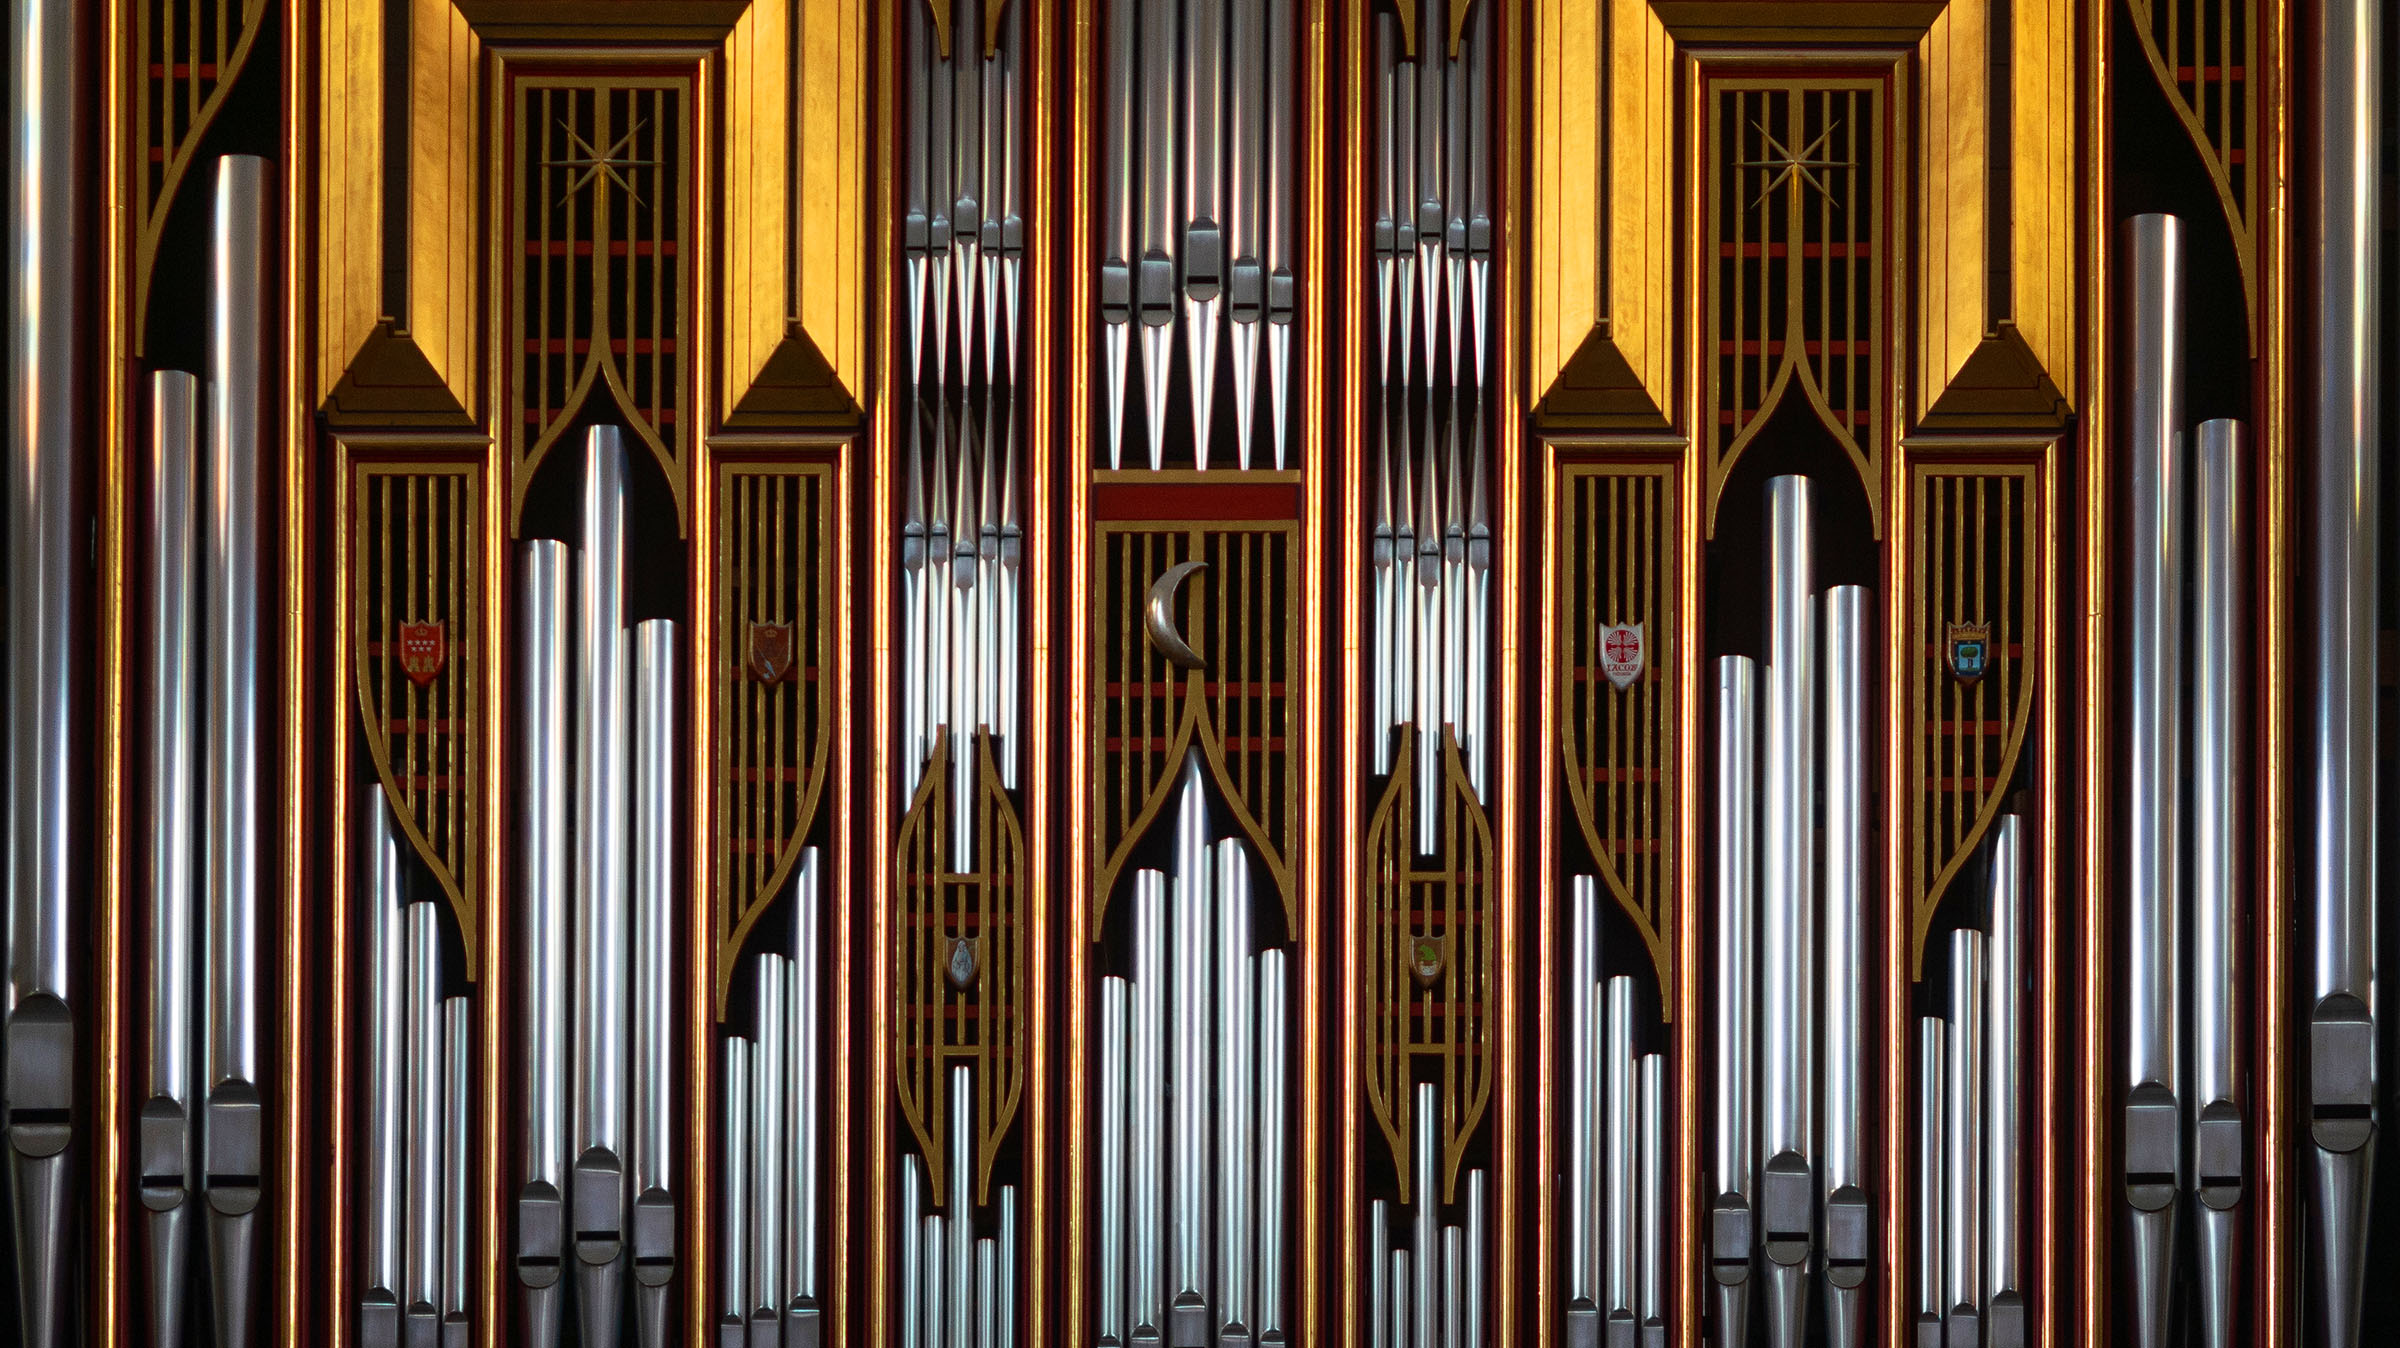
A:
[(1479, 1235), (1191, 1082), (1145, 1109), (1731, 1233), (1848, 1217), (1403, 1333), (1110, 1198), (959, 1212), (233, 1139), (1933, 1178), (767, 1112), (422, 1297), (912, 1272), (1425, 1238), (2218, 564), (1237, 1061), (806, 1049), (1005, 1311), (387, 1064), (1650, 1297), (542, 664), (2154, 1161), (653, 901), (735, 1298), (1379, 1272), (1963, 1149), (1622, 1109), (2344, 610), (46, 542), (1274, 1097), (1787, 1094), (165, 1178), (2003, 1092), (1583, 1114), (457, 1179), (598, 1201)]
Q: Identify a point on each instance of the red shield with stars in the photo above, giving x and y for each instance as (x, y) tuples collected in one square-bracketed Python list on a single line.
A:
[(423, 648), (1623, 653)]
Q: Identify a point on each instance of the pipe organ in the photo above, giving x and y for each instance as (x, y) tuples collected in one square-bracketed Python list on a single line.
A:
[(1199, 674)]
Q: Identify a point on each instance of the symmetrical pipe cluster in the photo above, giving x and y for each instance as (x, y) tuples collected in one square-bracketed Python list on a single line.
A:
[(1198, 208), (418, 1122), (1616, 1186), (1193, 1106), (1433, 270), (1970, 1105), (597, 833), (202, 1121), (2185, 1126), (768, 1209), (962, 539), (1432, 1293), (957, 1289), (1789, 1123)]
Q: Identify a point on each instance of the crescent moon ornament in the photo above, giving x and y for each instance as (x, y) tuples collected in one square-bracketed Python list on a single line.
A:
[(1158, 618)]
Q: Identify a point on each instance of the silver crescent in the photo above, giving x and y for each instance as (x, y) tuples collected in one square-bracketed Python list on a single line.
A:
[(1159, 617)]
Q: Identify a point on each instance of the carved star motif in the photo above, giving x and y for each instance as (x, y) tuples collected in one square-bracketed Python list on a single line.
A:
[(1793, 168), (593, 163)]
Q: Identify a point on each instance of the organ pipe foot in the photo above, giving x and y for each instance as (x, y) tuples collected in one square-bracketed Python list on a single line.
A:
[(599, 1245), (1929, 1330), (1964, 1329), (1200, 325), (733, 1331), (231, 1238), (2153, 1275), (650, 1311), (599, 1294), (1787, 1304), (1233, 1336), (1654, 1333), (454, 1330), (541, 1305), (2004, 1321), (1145, 1336), (41, 1046), (1621, 1330), (1844, 1315), (379, 1321), (2337, 1239), (422, 1326), (2218, 1304), (1733, 1309), (765, 1330), (170, 1255)]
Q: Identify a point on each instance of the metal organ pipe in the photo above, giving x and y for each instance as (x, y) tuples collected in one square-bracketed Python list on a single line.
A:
[(2218, 653), (601, 926), (457, 1178), (1731, 1230), (1273, 1091), (1621, 1158), (1146, 1111), (1848, 1222), (542, 662), (2339, 704), (421, 1297), (1190, 1082), (1110, 1198), (1236, 1065), (2003, 1084), (1787, 1198), (387, 1075), (735, 1219), (1650, 1301), (1963, 1148), (1933, 1178), (2154, 1162), (806, 1055), (1583, 1109)]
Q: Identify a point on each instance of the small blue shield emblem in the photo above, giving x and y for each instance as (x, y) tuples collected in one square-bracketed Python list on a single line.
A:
[(1969, 646)]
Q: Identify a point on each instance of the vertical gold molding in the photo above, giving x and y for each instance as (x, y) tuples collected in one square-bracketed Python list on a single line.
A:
[(116, 436), (289, 1281), (2092, 1224), (1508, 463), (1357, 51), (875, 861), (2273, 1323)]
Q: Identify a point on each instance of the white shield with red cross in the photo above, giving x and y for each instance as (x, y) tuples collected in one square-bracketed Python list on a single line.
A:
[(1623, 654)]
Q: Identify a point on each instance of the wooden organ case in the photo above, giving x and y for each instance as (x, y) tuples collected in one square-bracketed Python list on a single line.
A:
[(1158, 673)]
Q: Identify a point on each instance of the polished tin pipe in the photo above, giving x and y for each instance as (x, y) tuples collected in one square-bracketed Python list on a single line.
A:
[(806, 1054), (2154, 1159), (424, 1122), (542, 822), (1379, 1270), (1622, 1109), (1479, 1236), (1274, 1087), (1583, 924), (1454, 1286), (933, 1261), (1847, 1219), (1425, 1238), (912, 1271), (736, 1297), (1963, 1115), (233, 1137), (1650, 1298), (1236, 1066), (1933, 1178), (959, 1213), (1736, 982), (653, 902), (1191, 1081), (2339, 705), (987, 1294), (1787, 1198), (387, 1053), (1110, 1199), (602, 931), (1005, 1312), (1145, 1110), (2003, 1092), (2218, 655), (47, 542), (165, 1179), (767, 1169), (457, 1180), (1403, 1333)]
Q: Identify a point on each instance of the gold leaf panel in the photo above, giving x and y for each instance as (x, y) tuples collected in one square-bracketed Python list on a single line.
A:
[(421, 658), (190, 54), (1429, 911), (772, 706), (1619, 563), (2203, 54), (940, 1022), (1975, 564)]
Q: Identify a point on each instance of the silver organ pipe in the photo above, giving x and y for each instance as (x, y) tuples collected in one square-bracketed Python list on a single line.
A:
[(597, 1202), (2003, 1092), (1454, 1286), (2218, 653), (1787, 876), (1650, 1297), (46, 543), (1621, 1128), (1115, 1004), (423, 1119), (1478, 1246), (387, 1076), (1403, 1318), (1962, 1149), (1933, 1179), (2343, 610), (735, 1298), (1424, 1238), (543, 663), (232, 1137), (912, 1270), (805, 1045), (933, 1329), (1379, 1271), (458, 1186), (652, 1160), (959, 1222), (1189, 1081), (767, 1166), (1145, 1108), (2154, 491), (1583, 1108), (1731, 1233), (1273, 1140), (1847, 1221), (1237, 1062)]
